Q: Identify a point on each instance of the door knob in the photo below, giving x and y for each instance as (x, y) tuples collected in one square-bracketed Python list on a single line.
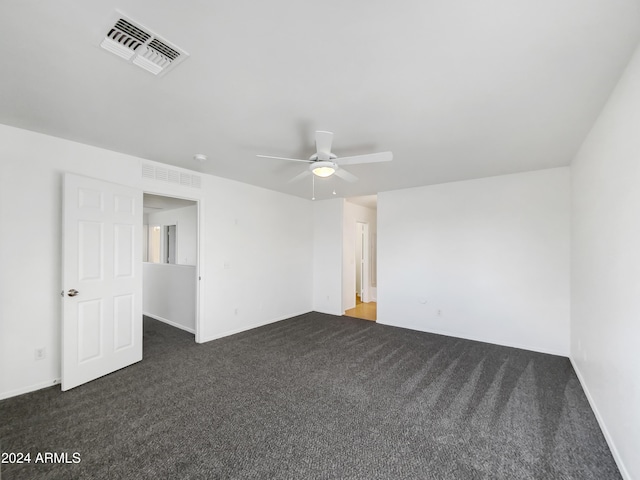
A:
[(73, 292)]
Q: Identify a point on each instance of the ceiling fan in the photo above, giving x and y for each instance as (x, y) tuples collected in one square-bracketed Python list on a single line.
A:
[(324, 164)]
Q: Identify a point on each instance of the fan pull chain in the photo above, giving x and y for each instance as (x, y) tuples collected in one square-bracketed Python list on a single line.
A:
[(313, 182)]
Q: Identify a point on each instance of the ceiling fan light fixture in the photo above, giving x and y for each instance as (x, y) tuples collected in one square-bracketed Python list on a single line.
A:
[(323, 169)]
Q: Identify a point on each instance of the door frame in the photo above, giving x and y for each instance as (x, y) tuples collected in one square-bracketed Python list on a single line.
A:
[(365, 292), (198, 201)]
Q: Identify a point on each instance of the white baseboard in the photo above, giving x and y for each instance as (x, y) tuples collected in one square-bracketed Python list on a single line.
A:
[(169, 322), (251, 327), (603, 426), (532, 348), (29, 389)]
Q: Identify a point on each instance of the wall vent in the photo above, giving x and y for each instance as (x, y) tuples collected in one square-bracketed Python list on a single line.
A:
[(149, 171), (140, 46), (169, 175), (174, 176)]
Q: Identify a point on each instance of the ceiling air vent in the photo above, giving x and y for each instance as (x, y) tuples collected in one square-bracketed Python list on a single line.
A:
[(140, 46), (170, 175)]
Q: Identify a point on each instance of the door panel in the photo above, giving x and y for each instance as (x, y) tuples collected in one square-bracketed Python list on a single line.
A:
[(90, 235), (124, 250), (89, 330), (102, 261), (124, 321)]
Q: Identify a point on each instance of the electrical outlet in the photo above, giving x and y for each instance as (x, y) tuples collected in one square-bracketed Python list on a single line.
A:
[(40, 353), (439, 312), (235, 311)]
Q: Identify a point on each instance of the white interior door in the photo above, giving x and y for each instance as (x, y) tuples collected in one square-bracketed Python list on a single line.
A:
[(102, 279)]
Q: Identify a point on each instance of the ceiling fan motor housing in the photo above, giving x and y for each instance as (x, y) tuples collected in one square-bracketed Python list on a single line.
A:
[(322, 157)]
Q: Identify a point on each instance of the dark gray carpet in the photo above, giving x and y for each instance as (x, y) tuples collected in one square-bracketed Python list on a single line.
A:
[(316, 397)]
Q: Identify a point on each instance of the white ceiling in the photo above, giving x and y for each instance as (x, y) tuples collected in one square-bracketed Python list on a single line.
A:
[(456, 89)]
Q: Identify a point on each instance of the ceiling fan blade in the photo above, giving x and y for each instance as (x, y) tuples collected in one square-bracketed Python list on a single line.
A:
[(369, 158), (283, 158), (323, 143), (300, 176), (343, 174)]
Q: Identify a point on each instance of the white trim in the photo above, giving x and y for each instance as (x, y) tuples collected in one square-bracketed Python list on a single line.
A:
[(607, 436), (30, 388), (169, 322), (531, 348), (251, 327)]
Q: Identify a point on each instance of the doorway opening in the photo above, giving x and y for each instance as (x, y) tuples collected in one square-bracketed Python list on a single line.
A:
[(170, 261), (359, 270)]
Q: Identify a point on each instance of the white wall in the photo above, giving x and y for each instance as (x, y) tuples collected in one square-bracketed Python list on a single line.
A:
[(605, 277), (354, 213), (327, 256), (491, 254), (264, 237), (169, 294), (258, 252), (185, 220)]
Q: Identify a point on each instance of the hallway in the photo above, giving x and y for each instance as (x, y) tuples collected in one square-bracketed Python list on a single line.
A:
[(364, 311)]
